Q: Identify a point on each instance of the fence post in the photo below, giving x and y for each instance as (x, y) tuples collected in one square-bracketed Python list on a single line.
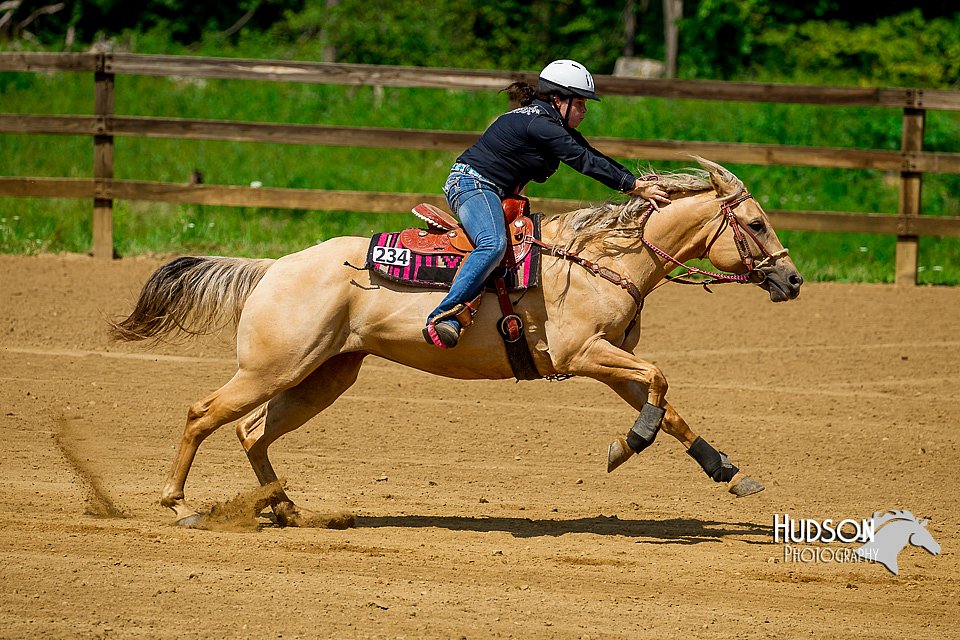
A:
[(103, 160), (908, 245)]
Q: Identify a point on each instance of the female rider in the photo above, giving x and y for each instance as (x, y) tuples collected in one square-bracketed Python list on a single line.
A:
[(528, 143)]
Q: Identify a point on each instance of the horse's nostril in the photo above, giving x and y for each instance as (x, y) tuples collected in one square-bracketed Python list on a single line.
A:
[(795, 279)]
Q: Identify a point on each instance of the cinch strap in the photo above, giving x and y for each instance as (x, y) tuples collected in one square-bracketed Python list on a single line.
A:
[(511, 329)]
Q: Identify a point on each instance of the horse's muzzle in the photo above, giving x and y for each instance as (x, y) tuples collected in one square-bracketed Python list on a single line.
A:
[(781, 281)]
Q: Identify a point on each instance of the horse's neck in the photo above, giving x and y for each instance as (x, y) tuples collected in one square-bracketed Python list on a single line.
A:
[(677, 230), (680, 229)]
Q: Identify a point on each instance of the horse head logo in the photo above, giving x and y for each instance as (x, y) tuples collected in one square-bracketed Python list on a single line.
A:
[(898, 528)]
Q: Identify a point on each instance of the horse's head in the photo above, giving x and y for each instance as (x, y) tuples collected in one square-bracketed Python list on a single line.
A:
[(893, 530), (922, 538), (744, 241)]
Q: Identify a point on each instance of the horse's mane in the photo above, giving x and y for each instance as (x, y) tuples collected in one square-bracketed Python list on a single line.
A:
[(880, 519), (591, 221)]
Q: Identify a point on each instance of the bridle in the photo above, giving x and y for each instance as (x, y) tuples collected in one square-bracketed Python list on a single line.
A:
[(741, 232)]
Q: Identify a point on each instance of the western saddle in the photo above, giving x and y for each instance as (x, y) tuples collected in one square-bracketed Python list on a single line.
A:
[(447, 236)]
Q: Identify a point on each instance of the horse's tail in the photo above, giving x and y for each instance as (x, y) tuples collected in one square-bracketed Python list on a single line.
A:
[(191, 295)]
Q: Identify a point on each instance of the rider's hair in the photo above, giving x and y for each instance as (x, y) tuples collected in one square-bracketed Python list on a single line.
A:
[(523, 93)]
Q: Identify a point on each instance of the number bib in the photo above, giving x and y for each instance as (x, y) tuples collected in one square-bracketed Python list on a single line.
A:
[(393, 256)]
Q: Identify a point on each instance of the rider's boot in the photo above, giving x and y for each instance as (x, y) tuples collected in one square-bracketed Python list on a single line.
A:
[(443, 330)]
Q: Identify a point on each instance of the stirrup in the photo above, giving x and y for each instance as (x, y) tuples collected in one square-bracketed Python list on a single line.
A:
[(441, 335)]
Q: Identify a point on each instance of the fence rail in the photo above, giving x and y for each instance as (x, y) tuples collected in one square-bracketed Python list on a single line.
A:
[(425, 139), (910, 161), (469, 79)]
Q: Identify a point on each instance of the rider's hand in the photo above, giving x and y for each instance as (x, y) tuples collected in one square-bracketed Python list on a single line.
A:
[(650, 190)]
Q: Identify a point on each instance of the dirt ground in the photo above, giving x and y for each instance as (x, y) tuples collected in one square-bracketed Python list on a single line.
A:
[(484, 508)]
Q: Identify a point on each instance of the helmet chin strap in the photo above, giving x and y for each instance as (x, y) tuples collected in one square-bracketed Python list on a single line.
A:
[(565, 116)]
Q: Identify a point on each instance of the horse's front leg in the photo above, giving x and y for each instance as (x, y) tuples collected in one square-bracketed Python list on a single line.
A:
[(714, 463), (637, 381), (644, 387)]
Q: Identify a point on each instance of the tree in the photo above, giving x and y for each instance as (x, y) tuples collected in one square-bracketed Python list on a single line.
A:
[(672, 13)]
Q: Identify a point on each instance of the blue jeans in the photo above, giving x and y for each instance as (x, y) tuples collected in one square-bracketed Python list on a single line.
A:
[(478, 205)]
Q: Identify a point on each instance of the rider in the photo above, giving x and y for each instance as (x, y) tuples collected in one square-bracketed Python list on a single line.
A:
[(525, 144)]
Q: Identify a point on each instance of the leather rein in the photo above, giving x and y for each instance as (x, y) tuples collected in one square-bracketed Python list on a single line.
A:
[(740, 235), (608, 274)]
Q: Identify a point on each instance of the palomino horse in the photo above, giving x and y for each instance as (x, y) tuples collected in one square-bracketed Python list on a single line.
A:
[(305, 322)]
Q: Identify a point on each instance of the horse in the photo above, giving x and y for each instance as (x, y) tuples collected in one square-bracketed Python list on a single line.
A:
[(305, 322), (898, 529)]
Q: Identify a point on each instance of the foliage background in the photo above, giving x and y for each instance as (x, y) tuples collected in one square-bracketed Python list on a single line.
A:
[(819, 42), (836, 42)]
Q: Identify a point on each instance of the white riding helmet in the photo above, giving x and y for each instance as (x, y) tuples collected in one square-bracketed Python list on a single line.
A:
[(567, 77)]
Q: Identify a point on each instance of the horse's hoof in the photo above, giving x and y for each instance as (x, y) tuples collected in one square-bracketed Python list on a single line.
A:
[(196, 521), (743, 485), (617, 453)]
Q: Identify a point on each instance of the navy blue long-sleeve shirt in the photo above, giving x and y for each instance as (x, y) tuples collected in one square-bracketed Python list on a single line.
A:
[(529, 143)]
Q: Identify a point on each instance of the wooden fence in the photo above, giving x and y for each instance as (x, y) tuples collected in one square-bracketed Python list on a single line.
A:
[(911, 161)]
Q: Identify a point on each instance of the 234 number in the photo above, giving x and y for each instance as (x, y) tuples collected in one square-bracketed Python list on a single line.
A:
[(391, 256)]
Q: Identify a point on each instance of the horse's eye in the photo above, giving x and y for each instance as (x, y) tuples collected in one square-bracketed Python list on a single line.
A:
[(756, 225)]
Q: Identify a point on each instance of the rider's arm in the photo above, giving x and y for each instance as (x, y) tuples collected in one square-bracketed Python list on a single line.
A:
[(572, 149)]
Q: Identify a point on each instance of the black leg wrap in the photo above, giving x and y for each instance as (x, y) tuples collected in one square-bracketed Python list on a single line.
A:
[(644, 430), (714, 463)]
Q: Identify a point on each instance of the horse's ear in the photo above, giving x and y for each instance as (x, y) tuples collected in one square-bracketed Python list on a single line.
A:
[(725, 183)]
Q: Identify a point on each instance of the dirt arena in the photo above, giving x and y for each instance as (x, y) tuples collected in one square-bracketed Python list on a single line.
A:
[(483, 508)]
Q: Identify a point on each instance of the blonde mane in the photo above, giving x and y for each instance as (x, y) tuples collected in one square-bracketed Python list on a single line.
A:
[(586, 223)]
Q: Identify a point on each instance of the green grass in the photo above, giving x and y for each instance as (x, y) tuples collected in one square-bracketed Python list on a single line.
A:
[(46, 225)]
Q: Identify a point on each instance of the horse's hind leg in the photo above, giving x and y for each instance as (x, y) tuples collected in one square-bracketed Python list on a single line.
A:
[(231, 401), (288, 411)]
